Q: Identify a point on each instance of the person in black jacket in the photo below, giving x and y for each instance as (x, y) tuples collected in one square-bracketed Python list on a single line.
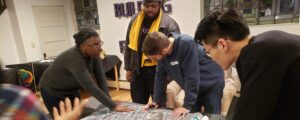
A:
[(268, 65)]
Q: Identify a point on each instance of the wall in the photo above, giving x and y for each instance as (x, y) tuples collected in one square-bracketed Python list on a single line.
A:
[(19, 40), (187, 15), (27, 27), (290, 28), (8, 49)]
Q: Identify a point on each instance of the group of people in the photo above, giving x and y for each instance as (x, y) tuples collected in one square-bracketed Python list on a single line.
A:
[(266, 64), (156, 53)]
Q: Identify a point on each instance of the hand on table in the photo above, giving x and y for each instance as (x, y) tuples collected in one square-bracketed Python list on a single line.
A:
[(180, 111), (150, 105), (120, 108)]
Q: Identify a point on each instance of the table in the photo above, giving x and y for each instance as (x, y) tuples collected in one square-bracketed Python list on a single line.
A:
[(103, 113)]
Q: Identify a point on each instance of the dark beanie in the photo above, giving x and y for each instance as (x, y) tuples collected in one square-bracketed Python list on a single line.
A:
[(149, 1), (83, 35)]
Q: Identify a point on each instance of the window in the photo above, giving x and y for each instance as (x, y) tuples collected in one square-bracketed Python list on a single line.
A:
[(259, 12), (86, 14), (2, 6)]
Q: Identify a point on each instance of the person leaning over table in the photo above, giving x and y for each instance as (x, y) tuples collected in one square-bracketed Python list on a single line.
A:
[(268, 65), (77, 68), (186, 62)]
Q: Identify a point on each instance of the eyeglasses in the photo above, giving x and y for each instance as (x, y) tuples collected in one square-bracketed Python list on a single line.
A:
[(97, 46), (208, 49)]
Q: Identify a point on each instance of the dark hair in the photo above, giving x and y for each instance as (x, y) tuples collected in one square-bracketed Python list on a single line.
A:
[(83, 35), (154, 43), (149, 1), (228, 24)]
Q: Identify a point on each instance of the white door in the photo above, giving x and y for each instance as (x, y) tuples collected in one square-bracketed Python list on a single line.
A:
[(52, 29)]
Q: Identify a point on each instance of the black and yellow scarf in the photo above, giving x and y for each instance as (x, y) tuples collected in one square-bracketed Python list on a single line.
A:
[(134, 35)]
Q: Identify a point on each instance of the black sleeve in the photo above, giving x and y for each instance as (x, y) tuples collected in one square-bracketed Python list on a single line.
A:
[(128, 52), (100, 76), (171, 26), (261, 84), (81, 73), (174, 27), (269, 73)]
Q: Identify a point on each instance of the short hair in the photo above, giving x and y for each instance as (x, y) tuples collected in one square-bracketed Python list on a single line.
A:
[(84, 34), (150, 1), (228, 23), (154, 43)]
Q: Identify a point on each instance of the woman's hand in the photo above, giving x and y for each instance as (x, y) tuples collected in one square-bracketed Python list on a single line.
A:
[(67, 112), (120, 108)]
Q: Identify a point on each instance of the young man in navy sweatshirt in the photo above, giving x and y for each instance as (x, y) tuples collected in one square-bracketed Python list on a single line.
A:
[(186, 62)]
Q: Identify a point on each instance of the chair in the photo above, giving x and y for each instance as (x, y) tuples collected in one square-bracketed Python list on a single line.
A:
[(114, 82), (10, 76), (111, 66)]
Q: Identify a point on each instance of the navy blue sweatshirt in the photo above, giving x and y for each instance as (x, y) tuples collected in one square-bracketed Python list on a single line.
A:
[(190, 67)]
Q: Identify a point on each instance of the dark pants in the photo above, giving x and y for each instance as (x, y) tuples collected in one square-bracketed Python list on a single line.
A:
[(142, 85), (51, 101), (210, 100)]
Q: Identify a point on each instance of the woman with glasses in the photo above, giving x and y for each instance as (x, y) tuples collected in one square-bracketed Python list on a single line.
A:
[(76, 69)]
